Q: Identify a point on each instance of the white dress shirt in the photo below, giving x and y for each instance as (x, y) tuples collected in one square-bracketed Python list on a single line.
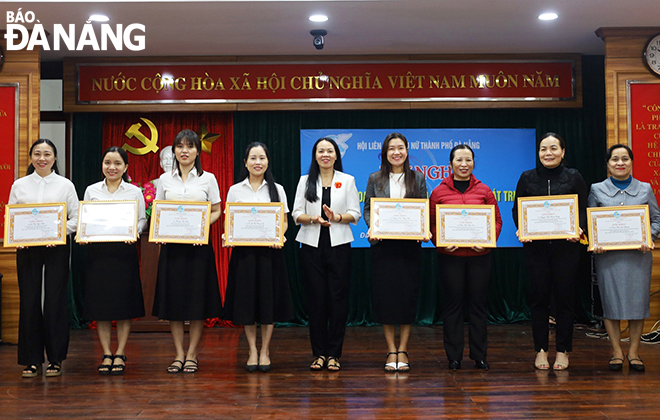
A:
[(397, 185), (125, 191), (33, 189), (243, 193), (196, 188)]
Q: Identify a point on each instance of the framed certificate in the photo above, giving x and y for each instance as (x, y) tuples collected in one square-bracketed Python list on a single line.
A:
[(548, 217), (465, 225), (625, 227), (254, 224), (405, 218), (183, 222), (107, 221), (35, 224)]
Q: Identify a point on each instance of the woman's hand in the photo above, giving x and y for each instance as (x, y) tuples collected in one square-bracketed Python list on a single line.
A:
[(278, 246), (576, 239), (451, 248), (600, 250), (321, 221), (645, 248), (224, 244), (477, 248), (331, 215), (524, 241)]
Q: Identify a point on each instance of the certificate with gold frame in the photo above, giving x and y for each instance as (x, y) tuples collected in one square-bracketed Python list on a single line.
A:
[(465, 225), (35, 224), (613, 228), (399, 218), (254, 224), (548, 217), (181, 222), (107, 221)]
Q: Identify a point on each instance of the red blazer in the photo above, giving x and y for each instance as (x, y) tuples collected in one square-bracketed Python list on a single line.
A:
[(477, 193)]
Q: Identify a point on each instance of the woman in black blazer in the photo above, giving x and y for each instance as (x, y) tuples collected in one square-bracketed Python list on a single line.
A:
[(395, 263)]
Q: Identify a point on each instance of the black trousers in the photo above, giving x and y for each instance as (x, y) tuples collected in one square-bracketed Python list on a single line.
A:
[(552, 267), (327, 275), (47, 329), (465, 286)]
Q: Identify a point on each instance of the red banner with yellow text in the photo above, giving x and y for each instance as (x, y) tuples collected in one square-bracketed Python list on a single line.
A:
[(644, 130), (8, 132)]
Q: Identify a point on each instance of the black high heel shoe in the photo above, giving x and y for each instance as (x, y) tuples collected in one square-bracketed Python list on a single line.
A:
[(637, 367)]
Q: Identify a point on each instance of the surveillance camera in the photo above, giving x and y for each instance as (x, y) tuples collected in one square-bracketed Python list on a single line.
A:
[(318, 40)]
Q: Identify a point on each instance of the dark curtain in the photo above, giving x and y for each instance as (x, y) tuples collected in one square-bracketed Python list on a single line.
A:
[(583, 129)]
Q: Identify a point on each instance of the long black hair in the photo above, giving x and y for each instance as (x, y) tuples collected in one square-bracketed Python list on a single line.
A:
[(619, 146), (30, 168), (314, 170), (385, 167), (124, 157), (191, 139), (268, 175)]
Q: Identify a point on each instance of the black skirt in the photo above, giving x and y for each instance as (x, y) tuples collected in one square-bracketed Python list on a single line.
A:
[(112, 287), (395, 281), (257, 287), (187, 286)]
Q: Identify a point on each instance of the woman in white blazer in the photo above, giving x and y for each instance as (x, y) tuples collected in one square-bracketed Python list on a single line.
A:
[(326, 202)]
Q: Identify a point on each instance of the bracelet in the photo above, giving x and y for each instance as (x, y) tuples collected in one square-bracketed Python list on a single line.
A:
[(311, 220), (340, 218)]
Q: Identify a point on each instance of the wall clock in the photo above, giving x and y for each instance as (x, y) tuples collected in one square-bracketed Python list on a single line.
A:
[(652, 54)]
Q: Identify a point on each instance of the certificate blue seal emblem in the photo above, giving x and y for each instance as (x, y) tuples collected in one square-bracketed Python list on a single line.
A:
[(253, 210), (464, 213), (35, 212), (546, 204), (616, 214), (398, 206), (179, 209)]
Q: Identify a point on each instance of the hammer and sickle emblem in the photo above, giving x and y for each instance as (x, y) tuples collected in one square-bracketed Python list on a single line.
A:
[(150, 145)]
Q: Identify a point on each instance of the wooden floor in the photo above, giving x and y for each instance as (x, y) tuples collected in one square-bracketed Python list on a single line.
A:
[(512, 389)]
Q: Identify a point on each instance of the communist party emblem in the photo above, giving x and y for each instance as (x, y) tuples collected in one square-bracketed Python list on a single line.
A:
[(150, 144)]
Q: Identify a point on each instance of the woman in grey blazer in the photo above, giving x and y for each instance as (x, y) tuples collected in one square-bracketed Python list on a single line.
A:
[(624, 277), (395, 263)]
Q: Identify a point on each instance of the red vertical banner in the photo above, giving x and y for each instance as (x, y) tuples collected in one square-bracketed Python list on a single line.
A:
[(644, 132), (8, 133)]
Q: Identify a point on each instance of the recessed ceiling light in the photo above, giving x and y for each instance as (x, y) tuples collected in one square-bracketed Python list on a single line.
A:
[(318, 18), (98, 18), (548, 16)]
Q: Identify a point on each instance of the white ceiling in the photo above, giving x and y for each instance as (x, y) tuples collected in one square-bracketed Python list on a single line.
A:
[(216, 28)]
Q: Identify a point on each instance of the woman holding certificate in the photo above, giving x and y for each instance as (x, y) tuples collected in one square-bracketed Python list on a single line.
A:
[(624, 276), (464, 271), (395, 263), (552, 264), (326, 202), (44, 320), (187, 286), (109, 296), (257, 283)]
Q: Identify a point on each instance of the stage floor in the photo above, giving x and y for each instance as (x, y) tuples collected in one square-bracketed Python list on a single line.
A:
[(222, 389)]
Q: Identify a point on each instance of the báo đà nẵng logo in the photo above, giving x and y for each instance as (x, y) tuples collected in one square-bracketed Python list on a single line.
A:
[(18, 37)]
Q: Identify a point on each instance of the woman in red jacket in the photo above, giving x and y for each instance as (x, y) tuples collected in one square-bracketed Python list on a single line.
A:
[(464, 272)]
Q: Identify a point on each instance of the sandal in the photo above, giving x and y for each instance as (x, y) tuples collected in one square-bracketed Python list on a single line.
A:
[(103, 368), (558, 365), (318, 363), (175, 367), (32, 371), (333, 364), (390, 366), (190, 366), (541, 364), (118, 369), (637, 367), (403, 366), (615, 367), (53, 369)]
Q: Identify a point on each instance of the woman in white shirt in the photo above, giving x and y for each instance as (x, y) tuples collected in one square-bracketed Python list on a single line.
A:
[(110, 294), (257, 283), (48, 328), (326, 202), (187, 286)]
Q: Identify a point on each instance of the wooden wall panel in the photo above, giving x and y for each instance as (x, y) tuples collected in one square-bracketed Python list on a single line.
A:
[(623, 62), (21, 67)]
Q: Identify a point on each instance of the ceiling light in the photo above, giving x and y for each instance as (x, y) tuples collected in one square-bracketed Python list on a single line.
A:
[(98, 18), (548, 16), (318, 18)]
